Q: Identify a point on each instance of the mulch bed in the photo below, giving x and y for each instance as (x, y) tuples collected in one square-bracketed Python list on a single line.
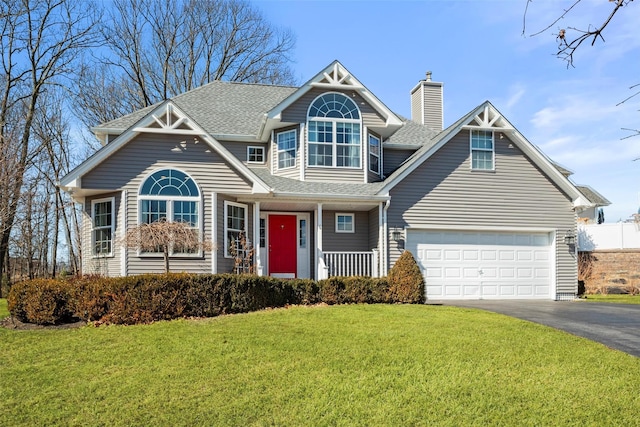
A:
[(13, 323)]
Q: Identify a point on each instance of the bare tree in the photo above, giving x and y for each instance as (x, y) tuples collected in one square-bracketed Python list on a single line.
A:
[(158, 49), (571, 38), (164, 237), (41, 40)]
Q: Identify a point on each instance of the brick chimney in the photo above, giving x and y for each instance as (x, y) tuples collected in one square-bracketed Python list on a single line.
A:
[(426, 103)]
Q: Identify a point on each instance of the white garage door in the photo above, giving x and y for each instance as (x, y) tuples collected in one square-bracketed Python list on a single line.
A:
[(483, 265)]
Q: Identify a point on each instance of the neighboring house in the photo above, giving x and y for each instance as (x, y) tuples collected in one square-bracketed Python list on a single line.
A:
[(587, 214), (326, 180)]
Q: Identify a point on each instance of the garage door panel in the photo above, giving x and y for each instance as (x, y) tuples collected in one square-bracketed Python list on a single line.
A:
[(477, 265)]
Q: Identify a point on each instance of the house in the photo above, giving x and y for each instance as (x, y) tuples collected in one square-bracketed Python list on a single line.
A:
[(326, 180), (592, 214)]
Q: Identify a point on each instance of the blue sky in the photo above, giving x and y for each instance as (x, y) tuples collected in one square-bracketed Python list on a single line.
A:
[(477, 49)]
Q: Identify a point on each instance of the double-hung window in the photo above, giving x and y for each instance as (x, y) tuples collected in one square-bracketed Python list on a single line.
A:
[(235, 226), (334, 138), (103, 224), (374, 154), (482, 150), (286, 149), (170, 195)]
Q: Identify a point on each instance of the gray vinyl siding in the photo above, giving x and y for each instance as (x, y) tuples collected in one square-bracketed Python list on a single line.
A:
[(393, 158), (429, 95), (373, 228), (357, 241), (444, 192), (128, 167), (333, 174), (104, 266), (416, 105), (240, 150)]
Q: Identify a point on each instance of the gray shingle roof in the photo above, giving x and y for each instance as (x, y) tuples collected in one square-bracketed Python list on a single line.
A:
[(292, 186), (564, 171), (593, 196), (411, 133), (221, 108)]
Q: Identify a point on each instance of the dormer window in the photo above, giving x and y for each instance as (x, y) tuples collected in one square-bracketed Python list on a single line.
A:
[(334, 132), (482, 151)]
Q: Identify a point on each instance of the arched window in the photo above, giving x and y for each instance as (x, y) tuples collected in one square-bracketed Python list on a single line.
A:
[(170, 195), (334, 132)]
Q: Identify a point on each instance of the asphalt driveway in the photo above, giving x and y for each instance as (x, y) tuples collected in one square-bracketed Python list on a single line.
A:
[(614, 325)]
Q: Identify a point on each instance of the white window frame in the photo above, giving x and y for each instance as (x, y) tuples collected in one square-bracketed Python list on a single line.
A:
[(371, 154), (473, 149), (228, 203), (257, 148), (353, 222), (170, 213), (334, 136), (295, 148), (112, 227)]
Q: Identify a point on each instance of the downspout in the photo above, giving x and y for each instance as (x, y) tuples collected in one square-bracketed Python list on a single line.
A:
[(385, 240)]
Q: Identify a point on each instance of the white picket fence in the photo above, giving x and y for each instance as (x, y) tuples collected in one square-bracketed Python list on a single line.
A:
[(621, 235)]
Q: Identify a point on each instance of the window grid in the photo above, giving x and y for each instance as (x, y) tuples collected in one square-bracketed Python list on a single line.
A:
[(374, 154), (333, 136), (345, 223), (235, 224), (482, 150), (103, 227), (287, 142), (255, 154)]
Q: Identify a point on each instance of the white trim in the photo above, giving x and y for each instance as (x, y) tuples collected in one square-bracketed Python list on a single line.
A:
[(257, 262), (111, 254), (278, 150), (484, 150), (256, 147), (303, 151), (124, 250), (353, 222), (214, 232), (199, 200), (379, 155), (226, 228)]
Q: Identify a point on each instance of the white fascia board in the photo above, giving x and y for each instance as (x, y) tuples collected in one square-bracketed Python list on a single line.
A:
[(482, 228), (329, 197)]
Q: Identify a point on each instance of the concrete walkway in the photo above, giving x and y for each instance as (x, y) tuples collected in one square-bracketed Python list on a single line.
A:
[(614, 325)]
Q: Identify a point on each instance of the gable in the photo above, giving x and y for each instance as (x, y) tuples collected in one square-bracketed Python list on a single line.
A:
[(127, 167), (444, 191)]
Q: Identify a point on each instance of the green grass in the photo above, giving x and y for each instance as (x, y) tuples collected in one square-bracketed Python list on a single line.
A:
[(622, 299), (4, 311), (339, 365)]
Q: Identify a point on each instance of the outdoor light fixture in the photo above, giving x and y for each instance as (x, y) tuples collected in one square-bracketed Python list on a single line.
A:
[(569, 237), (396, 234)]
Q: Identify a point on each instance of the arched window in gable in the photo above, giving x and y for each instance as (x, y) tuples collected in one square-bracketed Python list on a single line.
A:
[(334, 135)]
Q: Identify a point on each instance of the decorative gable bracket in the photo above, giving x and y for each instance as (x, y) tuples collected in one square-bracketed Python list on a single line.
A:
[(337, 77), (488, 118), (168, 121)]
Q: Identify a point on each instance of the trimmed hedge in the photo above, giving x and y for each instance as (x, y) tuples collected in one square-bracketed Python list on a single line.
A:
[(150, 297), (406, 283)]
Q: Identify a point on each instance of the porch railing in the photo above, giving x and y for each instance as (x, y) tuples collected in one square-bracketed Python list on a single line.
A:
[(351, 263)]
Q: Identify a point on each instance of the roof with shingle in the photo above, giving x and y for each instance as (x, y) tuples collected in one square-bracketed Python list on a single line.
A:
[(412, 134), (292, 186), (593, 196), (221, 108)]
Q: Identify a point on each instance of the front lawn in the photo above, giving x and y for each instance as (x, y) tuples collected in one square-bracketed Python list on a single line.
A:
[(616, 298), (332, 365)]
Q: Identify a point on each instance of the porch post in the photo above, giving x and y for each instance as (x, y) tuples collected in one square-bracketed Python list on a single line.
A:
[(321, 268), (214, 232), (381, 242), (256, 239)]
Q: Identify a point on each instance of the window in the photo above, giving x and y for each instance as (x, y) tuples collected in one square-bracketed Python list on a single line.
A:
[(170, 195), (286, 149), (345, 223), (103, 224), (235, 223), (263, 232), (482, 150), (255, 154), (302, 240), (374, 154), (334, 132)]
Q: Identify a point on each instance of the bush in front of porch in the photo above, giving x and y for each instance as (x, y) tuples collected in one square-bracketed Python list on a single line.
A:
[(150, 297)]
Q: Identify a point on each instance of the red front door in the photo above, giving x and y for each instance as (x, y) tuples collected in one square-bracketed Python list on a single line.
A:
[(283, 257)]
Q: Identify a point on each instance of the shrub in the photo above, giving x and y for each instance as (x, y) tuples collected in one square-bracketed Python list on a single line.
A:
[(41, 301), (406, 283)]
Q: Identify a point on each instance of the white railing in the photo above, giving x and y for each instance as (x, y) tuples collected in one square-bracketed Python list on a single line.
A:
[(621, 235), (352, 263)]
